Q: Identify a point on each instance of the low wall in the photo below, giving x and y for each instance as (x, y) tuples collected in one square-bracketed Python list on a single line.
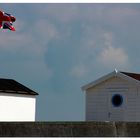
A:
[(69, 129)]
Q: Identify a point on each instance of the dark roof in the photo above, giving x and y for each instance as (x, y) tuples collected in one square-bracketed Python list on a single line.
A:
[(133, 75), (12, 86)]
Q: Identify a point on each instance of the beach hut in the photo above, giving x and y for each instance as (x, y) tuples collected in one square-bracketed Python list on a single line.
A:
[(17, 102), (113, 97)]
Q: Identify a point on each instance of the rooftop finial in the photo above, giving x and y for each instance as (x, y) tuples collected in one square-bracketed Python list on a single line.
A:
[(116, 70)]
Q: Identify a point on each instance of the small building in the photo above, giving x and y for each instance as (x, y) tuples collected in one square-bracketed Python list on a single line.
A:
[(17, 102), (113, 97)]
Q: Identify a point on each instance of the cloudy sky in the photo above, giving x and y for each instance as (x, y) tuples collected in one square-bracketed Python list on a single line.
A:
[(57, 48)]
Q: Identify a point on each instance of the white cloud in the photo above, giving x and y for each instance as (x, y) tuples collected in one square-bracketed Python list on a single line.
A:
[(95, 44), (29, 47), (79, 71), (61, 12), (33, 42), (20, 25), (45, 30), (98, 47), (120, 14), (108, 38), (105, 13), (111, 56)]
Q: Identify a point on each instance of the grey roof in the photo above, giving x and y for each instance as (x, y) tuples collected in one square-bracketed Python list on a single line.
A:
[(12, 86)]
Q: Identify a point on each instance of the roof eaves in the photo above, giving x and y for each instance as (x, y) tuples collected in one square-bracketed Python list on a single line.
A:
[(19, 92), (114, 73), (128, 78), (94, 83)]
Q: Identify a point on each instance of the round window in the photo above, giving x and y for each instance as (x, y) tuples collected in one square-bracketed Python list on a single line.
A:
[(117, 100)]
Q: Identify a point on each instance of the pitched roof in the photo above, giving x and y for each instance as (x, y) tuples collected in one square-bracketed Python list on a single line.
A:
[(133, 77), (12, 86)]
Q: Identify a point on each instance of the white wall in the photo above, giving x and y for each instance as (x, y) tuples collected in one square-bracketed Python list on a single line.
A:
[(14, 107), (96, 106)]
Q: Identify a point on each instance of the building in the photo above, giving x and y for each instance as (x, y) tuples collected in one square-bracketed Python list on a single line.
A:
[(113, 97), (17, 102)]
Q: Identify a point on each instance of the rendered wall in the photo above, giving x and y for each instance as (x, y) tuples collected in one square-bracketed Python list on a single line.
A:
[(14, 107), (70, 129)]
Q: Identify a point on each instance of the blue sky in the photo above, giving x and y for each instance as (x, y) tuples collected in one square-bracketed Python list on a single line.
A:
[(57, 48)]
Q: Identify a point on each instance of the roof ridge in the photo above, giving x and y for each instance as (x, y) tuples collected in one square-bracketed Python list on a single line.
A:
[(135, 77)]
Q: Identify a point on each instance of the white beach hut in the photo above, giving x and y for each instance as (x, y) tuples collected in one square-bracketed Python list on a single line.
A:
[(17, 102), (113, 97)]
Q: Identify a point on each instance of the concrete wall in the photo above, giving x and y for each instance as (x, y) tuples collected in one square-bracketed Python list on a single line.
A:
[(14, 107), (69, 129)]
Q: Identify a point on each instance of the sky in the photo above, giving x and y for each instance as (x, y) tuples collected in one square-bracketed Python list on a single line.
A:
[(58, 48)]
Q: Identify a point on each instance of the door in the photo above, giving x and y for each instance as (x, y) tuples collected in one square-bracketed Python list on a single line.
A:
[(116, 105)]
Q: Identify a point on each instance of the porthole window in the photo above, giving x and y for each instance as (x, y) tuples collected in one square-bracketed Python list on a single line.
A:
[(117, 100)]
